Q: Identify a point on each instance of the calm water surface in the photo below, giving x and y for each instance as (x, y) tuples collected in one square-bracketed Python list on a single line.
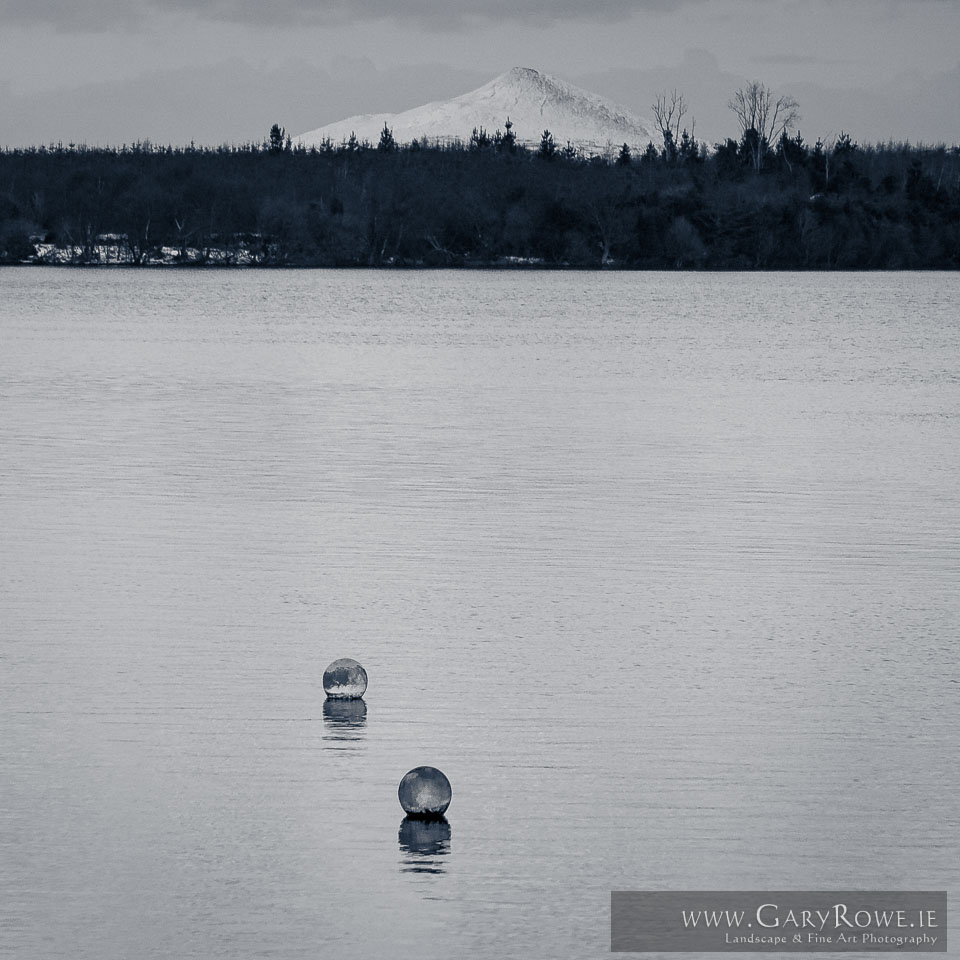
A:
[(662, 570)]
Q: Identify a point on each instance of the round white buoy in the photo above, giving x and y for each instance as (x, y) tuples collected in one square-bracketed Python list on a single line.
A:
[(344, 679), (425, 792)]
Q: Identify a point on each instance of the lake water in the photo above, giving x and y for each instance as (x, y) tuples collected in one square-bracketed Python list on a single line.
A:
[(662, 570)]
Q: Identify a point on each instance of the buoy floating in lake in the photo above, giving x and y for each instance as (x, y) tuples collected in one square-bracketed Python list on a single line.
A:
[(345, 679), (425, 793)]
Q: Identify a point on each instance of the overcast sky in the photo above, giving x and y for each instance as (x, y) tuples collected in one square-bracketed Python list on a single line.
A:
[(112, 71)]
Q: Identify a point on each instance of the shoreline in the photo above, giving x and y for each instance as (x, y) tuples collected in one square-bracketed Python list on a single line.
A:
[(503, 265), (474, 267)]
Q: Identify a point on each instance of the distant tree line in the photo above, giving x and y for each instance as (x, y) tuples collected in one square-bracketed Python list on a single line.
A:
[(765, 200)]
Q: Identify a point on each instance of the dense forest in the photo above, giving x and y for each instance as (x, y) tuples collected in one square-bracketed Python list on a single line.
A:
[(742, 204)]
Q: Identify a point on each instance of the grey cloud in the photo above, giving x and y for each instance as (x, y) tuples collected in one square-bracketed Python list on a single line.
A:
[(226, 102), (901, 109), (234, 102), (791, 59), (101, 15), (443, 12)]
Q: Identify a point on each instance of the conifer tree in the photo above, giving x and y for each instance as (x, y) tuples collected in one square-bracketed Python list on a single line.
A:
[(547, 149), (277, 137), (387, 144), (509, 141)]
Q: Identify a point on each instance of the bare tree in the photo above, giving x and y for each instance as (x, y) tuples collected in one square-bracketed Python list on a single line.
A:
[(669, 117), (763, 119)]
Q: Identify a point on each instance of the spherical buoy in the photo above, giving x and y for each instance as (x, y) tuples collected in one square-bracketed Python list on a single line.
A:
[(344, 679), (425, 793)]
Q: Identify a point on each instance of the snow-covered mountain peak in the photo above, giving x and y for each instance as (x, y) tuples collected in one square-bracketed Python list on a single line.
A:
[(526, 80), (533, 102), (522, 73)]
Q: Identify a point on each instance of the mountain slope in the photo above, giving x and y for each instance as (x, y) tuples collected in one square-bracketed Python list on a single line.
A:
[(533, 101)]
